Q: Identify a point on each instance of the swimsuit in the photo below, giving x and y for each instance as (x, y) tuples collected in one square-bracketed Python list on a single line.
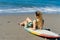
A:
[(30, 24)]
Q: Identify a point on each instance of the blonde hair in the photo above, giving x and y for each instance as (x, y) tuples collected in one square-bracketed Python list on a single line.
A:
[(40, 18)]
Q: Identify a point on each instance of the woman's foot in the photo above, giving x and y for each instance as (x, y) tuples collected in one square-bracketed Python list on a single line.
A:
[(21, 24)]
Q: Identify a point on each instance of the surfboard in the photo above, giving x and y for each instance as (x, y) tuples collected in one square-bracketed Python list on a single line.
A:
[(42, 33)]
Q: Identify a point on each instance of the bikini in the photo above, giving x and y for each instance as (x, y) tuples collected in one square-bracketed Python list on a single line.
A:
[(30, 24)]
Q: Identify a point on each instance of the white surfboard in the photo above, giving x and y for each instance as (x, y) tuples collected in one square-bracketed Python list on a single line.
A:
[(42, 33)]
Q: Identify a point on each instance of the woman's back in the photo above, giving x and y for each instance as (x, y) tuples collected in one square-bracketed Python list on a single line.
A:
[(39, 20)]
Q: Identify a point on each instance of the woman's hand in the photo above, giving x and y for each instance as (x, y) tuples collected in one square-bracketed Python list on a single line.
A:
[(20, 24)]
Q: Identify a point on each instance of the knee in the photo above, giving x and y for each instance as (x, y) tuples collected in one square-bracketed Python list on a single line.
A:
[(27, 18)]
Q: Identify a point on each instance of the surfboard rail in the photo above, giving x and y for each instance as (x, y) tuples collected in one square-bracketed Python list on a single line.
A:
[(43, 33)]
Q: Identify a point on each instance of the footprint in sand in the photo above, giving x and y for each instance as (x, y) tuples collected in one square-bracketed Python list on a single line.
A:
[(9, 21)]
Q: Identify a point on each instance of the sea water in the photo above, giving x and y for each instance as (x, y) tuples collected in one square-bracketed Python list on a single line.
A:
[(23, 6)]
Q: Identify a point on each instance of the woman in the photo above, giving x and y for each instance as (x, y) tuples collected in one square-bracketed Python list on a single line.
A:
[(35, 24)]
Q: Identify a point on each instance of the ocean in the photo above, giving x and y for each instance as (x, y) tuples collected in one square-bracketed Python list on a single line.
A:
[(22, 6)]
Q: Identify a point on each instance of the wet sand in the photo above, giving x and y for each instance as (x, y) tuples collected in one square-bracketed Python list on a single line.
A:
[(10, 30)]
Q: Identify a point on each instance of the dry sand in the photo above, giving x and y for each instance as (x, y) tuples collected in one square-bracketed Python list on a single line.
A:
[(10, 30)]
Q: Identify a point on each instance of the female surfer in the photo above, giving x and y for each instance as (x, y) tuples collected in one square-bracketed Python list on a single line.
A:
[(35, 24)]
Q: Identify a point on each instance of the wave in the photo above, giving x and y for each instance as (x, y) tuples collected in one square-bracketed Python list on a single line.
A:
[(31, 9)]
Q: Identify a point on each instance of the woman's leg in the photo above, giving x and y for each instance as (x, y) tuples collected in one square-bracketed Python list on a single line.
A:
[(25, 22)]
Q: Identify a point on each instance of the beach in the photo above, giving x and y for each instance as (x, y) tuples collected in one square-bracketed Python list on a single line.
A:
[(13, 12), (10, 30)]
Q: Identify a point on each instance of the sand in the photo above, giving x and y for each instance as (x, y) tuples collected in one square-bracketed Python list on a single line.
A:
[(10, 30)]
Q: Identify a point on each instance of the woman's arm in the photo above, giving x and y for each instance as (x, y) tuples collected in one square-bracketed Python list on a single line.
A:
[(34, 24)]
